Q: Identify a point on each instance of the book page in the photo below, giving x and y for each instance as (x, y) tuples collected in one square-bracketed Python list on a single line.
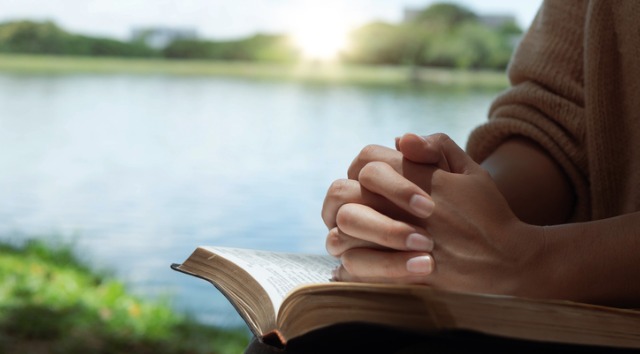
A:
[(278, 273)]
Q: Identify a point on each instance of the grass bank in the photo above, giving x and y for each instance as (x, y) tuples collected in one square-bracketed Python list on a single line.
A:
[(305, 72), (50, 302)]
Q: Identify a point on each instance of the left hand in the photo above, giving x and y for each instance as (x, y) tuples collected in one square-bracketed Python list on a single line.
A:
[(478, 243), (347, 196)]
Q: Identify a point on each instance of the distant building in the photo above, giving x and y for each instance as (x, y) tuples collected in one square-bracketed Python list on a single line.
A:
[(160, 37)]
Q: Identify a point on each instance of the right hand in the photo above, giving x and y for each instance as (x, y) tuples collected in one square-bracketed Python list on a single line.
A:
[(476, 242)]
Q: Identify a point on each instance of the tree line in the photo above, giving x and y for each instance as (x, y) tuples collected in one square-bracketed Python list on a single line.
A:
[(443, 35)]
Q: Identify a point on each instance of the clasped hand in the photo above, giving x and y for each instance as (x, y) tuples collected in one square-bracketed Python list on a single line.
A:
[(426, 213)]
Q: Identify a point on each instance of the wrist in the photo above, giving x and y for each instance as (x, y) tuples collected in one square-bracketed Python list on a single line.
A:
[(531, 257)]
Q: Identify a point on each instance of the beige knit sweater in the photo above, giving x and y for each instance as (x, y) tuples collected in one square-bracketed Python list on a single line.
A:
[(575, 89)]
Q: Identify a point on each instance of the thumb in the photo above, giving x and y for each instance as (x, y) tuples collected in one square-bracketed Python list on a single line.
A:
[(437, 149)]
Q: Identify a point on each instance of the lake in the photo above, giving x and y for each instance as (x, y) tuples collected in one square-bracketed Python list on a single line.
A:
[(137, 171)]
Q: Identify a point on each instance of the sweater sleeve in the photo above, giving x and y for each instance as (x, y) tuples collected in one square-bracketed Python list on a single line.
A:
[(545, 102)]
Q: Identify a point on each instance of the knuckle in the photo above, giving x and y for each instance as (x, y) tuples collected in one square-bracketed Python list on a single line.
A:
[(345, 216), (387, 267), (334, 243), (347, 262), (405, 190), (371, 170), (368, 152), (391, 235), (337, 194), (484, 173), (438, 179), (441, 137), (365, 156), (337, 189)]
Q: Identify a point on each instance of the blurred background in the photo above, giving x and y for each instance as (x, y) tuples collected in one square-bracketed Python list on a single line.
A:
[(132, 132)]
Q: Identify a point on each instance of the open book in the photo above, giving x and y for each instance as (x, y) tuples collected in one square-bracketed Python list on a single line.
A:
[(282, 296)]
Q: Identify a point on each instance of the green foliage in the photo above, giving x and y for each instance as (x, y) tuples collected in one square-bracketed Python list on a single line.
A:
[(48, 38), (187, 48), (273, 48), (377, 43), (510, 29), (256, 48), (50, 302), (442, 35), (470, 46), (447, 15), (95, 46), (32, 37), (387, 44)]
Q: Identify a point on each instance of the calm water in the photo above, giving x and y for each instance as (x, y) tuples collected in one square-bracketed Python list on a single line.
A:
[(139, 170)]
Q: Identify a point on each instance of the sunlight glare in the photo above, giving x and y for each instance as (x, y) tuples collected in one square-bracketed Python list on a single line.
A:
[(321, 32)]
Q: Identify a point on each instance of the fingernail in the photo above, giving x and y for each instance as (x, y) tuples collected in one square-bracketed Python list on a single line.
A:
[(417, 242), (334, 274), (420, 264), (421, 206)]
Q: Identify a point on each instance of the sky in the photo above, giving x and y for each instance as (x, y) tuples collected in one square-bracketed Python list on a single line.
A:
[(226, 19)]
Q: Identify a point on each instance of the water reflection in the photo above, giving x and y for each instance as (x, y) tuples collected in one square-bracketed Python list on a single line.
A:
[(141, 169)]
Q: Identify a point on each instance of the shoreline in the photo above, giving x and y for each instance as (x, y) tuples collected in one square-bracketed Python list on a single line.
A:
[(52, 299), (321, 73)]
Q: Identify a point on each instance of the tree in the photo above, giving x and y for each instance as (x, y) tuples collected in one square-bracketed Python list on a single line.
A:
[(378, 43), (447, 15), (259, 47), (47, 38), (32, 37)]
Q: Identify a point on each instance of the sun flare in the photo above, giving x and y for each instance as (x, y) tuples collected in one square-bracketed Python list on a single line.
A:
[(321, 33)]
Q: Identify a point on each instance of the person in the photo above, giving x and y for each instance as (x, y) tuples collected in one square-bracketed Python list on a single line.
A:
[(544, 203)]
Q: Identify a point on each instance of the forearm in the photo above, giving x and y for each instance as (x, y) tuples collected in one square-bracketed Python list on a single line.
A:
[(595, 262), (534, 185)]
